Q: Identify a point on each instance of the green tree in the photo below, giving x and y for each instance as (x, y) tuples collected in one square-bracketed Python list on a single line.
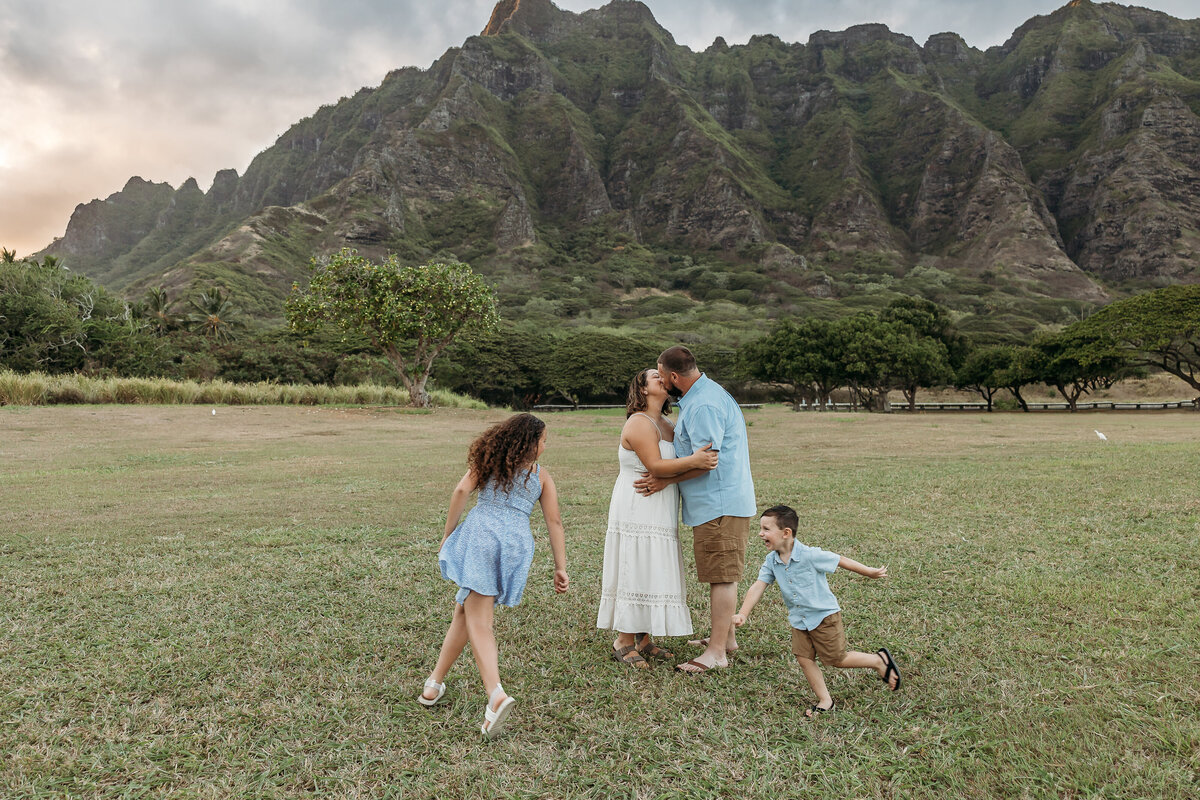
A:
[(802, 356), (983, 370), (593, 365), (214, 315), (410, 314), (158, 309), (506, 366), (1159, 329), (1020, 371), (1076, 363)]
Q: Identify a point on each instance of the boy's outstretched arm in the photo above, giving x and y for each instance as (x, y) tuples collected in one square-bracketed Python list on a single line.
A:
[(753, 595), (862, 569), (558, 535)]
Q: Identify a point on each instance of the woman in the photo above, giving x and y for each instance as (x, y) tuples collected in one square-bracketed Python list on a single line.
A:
[(643, 592)]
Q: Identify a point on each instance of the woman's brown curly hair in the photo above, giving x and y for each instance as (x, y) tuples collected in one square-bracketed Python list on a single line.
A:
[(637, 399), (503, 450)]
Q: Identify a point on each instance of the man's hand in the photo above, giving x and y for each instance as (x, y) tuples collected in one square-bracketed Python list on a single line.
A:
[(648, 484), (561, 580)]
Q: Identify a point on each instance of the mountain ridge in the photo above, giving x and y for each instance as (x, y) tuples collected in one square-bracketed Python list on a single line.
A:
[(555, 146)]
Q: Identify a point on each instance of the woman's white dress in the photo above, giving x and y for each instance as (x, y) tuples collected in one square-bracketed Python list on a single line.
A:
[(643, 589)]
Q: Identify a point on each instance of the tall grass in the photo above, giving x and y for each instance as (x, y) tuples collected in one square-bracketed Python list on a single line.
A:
[(39, 389)]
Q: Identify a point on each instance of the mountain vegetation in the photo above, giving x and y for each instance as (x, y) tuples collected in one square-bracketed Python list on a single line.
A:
[(601, 176)]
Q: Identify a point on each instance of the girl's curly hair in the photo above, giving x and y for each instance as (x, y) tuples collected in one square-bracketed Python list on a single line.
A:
[(503, 450), (637, 399)]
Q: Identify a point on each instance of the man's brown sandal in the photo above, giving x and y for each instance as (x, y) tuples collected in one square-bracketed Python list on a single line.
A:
[(700, 668), (630, 655), (654, 651)]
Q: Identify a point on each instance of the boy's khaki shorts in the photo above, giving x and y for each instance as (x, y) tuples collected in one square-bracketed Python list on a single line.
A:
[(720, 549), (827, 640)]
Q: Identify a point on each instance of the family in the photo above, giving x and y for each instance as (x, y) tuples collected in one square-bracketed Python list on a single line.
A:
[(701, 464)]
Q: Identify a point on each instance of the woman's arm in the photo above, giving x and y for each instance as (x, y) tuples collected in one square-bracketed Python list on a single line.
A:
[(558, 535), (458, 501), (642, 438)]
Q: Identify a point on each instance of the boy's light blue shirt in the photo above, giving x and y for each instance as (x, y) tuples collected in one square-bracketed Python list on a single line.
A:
[(802, 582), (708, 414)]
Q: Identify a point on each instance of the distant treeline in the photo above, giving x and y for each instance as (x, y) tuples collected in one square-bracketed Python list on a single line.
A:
[(56, 322)]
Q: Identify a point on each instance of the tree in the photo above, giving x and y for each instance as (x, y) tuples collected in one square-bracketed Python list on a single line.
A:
[(931, 320), (506, 366), (983, 369), (1159, 329), (410, 314), (879, 355), (801, 356), (593, 365), (1020, 371), (1076, 363), (214, 315), (158, 308)]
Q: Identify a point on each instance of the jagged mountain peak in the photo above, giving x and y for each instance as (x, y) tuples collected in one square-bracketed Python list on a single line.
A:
[(562, 150), (531, 18)]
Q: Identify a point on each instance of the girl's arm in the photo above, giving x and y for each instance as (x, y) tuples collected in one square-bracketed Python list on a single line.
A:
[(458, 501), (558, 536), (753, 595), (641, 437), (862, 569)]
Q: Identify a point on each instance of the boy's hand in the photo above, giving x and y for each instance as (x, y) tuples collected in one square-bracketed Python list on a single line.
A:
[(877, 572), (739, 620), (561, 581)]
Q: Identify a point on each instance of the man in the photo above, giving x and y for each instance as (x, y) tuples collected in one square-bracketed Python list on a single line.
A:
[(719, 504)]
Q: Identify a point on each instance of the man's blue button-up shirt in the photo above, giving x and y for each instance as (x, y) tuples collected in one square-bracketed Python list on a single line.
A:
[(709, 414), (802, 582)]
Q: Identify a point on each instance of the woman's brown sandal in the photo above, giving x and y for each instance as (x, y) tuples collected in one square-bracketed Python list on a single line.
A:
[(654, 651), (630, 655)]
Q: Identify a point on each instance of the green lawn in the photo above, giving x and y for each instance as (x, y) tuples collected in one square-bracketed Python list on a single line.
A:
[(245, 604)]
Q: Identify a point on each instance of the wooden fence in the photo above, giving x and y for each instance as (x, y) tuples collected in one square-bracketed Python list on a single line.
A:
[(1104, 405)]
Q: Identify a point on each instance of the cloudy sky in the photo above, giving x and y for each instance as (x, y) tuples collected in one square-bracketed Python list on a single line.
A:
[(96, 91)]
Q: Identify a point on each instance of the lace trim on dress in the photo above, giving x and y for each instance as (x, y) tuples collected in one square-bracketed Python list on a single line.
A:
[(644, 598), (640, 529)]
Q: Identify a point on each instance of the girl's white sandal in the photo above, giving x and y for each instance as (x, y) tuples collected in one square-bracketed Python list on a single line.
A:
[(430, 683), (495, 721)]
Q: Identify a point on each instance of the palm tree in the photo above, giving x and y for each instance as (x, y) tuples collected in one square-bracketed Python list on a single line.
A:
[(8, 256), (215, 314), (158, 309)]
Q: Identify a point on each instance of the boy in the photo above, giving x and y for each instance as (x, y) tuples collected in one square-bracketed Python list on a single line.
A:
[(813, 611)]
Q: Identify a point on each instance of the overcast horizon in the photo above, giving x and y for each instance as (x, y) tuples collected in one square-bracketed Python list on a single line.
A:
[(99, 91)]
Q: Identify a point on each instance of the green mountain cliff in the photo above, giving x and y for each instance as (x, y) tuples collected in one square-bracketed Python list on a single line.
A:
[(589, 165)]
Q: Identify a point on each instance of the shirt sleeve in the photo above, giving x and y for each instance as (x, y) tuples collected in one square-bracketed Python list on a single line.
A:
[(705, 425), (823, 560), (766, 574)]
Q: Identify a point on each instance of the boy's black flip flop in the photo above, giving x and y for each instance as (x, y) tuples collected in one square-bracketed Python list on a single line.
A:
[(891, 667)]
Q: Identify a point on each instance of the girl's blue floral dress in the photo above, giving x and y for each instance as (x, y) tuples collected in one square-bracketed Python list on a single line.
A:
[(491, 550)]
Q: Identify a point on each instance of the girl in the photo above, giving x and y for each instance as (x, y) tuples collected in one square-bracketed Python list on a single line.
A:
[(490, 553)]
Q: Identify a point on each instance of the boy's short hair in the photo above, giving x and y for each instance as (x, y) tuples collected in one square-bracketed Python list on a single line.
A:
[(785, 517)]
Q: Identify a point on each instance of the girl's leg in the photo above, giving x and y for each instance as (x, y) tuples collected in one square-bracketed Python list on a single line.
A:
[(452, 647), (816, 680), (478, 611)]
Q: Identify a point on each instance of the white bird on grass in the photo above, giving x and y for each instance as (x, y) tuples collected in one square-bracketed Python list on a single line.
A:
[(1103, 438)]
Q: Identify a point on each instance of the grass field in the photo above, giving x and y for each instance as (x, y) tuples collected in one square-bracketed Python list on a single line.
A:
[(245, 604)]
